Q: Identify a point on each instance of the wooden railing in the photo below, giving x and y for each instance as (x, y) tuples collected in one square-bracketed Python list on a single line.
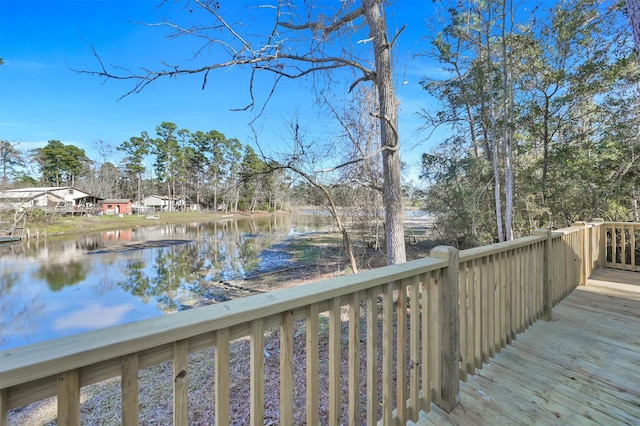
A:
[(623, 245), (399, 337)]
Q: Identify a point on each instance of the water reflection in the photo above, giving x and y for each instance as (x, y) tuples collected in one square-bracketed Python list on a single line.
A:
[(55, 288), (62, 274)]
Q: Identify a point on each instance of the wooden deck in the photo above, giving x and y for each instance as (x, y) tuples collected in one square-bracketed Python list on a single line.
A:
[(582, 368)]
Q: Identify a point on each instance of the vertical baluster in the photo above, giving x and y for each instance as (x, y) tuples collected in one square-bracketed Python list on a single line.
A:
[(4, 406), (508, 312), (471, 318), (354, 359), (477, 301), (614, 246), (335, 332), (425, 283), (372, 357), (634, 265), (462, 290), (387, 354), (257, 373), (545, 276), (222, 368), (401, 352), (433, 291), (493, 306), (568, 267), (313, 407), (484, 286), (286, 368), (518, 287), (130, 390), (414, 349), (501, 320), (525, 288), (528, 282), (180, 382), (623, 247), (69, 398)]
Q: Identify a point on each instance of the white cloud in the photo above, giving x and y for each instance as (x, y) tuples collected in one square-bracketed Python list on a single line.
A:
[(93, 316)]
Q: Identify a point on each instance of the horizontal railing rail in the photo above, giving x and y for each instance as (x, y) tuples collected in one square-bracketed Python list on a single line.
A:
[(401, 336), (61, 367)]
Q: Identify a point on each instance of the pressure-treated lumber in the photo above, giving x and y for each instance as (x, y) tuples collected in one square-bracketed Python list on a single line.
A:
[(580, 368)]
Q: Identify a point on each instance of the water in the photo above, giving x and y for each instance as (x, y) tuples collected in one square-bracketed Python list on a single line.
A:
[(57, 288)]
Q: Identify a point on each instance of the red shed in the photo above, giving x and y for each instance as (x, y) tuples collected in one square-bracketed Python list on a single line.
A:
[(117, 206)]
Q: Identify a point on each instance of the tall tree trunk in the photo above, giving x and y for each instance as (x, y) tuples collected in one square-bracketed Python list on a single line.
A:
[(237, 200), (493, 133), (497, 186), (634, 16), (394, 211), (215, 191), (507, 124), (508, 182), (545, 149)]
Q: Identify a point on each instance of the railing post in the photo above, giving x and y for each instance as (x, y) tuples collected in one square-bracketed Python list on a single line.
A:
[(449, 325), (602, 247), (585, 252), (4, 407), (547, 295)]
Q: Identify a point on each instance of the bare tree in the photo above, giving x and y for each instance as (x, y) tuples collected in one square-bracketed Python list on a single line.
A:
[(301, 39)]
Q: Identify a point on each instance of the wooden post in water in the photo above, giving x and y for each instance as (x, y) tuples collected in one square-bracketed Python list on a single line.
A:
[(547, 298), (449, 328)]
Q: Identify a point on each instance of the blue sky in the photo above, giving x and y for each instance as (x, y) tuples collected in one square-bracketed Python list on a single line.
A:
[(43, 99)]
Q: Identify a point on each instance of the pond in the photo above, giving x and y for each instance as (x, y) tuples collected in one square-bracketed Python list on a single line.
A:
[(55, 288)]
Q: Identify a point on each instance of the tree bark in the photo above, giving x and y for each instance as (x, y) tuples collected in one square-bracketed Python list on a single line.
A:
[(494, 139), (507, 123), (634, 16), (388, 116)]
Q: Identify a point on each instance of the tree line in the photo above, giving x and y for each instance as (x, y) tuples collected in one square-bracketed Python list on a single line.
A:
[(214, 171), (543, 110)]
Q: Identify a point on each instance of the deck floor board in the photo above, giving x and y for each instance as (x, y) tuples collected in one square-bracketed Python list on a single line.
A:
[(581, 368)]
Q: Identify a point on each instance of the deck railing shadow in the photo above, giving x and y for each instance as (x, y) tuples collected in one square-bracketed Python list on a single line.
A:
[(394, 339)]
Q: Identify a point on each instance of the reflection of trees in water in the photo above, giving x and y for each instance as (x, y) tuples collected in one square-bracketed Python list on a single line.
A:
[(18, 314), (166, 277), (7, 281), (136, 281), (59, 275), (221, 251)]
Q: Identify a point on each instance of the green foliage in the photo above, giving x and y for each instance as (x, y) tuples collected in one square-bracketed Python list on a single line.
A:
[(254, 174), (457, 195), (10, 158), (573, 91), (61, 164), (23, 180)]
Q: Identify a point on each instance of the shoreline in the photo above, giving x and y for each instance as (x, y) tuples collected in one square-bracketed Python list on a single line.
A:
[(72, 225)]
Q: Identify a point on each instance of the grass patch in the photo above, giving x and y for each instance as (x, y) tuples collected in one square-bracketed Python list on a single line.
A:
[(309, 248)]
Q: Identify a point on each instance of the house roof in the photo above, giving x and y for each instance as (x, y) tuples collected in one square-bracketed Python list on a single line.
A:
[(44, 189), (117, 200), (167, 197), (77, 193), (11, 194)]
